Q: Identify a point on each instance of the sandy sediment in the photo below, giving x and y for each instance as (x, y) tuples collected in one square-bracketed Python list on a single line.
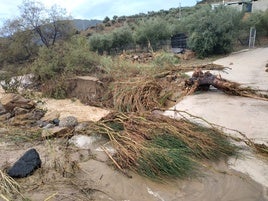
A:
[(68, 107)]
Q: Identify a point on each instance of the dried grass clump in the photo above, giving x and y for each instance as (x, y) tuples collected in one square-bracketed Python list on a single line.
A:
[(137, 96), (8, 186), (159, 147)]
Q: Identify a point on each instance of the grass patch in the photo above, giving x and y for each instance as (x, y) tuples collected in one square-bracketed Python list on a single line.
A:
[(137, 96), (166, 156), (19, 135)]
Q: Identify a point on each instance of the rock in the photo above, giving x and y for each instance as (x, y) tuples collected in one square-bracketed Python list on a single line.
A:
[(10, 101), (49, 125), (55, 132), (83, 141), (69, 121), (18, 111), (5, 116), (27, 119), (56, 121), (81, 126), (2, 109), (50, 116), (26, 165)]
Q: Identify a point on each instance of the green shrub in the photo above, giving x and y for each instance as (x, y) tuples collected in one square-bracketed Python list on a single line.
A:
[(262, 24), (118, 39), (213, 31), (73, 57), (122, 37), (165, 59), (150, 32), (55, 88)]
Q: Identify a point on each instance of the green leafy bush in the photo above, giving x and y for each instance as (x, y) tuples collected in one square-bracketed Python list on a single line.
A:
[(72, 57), (213, 31), (163, 59), (117, 40), (262, 24), (150, 32)]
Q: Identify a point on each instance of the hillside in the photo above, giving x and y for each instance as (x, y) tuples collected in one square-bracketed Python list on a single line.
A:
[(85, 24)]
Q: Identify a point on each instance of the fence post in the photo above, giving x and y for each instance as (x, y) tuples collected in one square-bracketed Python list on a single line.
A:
[(252, 37)]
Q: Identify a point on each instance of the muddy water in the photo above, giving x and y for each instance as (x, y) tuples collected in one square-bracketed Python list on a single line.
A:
[(93, 179), (217, 183)]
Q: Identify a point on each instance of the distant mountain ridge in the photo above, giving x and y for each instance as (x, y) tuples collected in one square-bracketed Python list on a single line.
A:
[(82, 25)]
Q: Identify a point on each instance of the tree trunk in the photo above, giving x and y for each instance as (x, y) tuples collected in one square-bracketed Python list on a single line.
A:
[(203, 80)]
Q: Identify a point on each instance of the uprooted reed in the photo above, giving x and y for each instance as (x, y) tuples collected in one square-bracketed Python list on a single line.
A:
[(160, 147), (8, 186), (139, 95)]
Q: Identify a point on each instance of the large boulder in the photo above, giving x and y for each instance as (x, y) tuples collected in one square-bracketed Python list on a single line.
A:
[(26, 165), (69, 122), (10, 101)]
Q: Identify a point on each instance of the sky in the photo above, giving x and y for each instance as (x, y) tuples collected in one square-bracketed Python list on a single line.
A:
[(96, 9)]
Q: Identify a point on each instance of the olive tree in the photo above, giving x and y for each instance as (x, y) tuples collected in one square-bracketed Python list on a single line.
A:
[(213, 31), (16, 44), (150, 32), (35, 26)]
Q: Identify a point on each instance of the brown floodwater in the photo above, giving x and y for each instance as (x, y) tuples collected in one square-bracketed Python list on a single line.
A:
[(76, 174)]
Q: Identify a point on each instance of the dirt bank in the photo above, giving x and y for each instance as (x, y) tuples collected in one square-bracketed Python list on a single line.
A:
[(68, 107)]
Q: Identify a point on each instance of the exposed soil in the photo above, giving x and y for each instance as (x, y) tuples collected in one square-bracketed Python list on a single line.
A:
[(68, 107)]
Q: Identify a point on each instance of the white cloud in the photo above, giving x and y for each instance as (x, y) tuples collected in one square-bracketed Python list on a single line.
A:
[(92, 9)]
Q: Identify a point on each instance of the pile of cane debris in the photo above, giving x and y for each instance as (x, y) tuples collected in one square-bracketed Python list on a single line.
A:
[(160, 147)]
